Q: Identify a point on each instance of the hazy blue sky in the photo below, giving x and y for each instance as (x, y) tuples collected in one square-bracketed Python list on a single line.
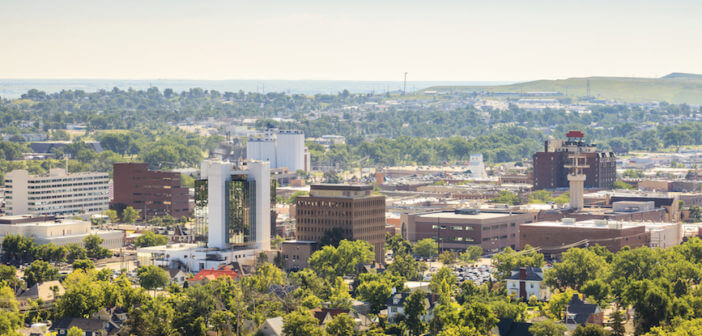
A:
[(355, 40)]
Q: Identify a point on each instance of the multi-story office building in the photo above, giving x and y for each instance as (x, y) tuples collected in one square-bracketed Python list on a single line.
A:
[(57, 193), (550, 169), (280, 148), (232, 217), (49, 229), (234, 204), (459, 229), (152, 193), (351, 208)]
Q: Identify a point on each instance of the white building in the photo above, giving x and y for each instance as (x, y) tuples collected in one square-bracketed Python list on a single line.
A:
[(526, 282), (233, 207), (57, 193), (280, 148), (48, 229), (477, 166)]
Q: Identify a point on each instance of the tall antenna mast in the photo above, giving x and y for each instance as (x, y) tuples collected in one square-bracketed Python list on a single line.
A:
[(404, 85)]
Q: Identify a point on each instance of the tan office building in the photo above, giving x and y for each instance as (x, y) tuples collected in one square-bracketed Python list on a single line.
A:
[(352, 208)]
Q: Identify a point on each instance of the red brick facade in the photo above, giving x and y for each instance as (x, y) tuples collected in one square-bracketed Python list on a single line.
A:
[(152, 193)]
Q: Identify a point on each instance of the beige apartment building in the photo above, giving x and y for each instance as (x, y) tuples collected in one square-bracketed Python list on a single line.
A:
[(352, 208), (57, 193)]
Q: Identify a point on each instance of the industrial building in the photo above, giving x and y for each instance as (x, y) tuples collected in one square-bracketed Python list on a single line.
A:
[(152, 193), (351, 208), (49, 229), (550, 166), (459, 229), (57, 193), (282, 148)]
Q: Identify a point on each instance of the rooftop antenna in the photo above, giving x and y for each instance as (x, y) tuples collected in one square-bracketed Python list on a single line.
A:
[(404, 85)]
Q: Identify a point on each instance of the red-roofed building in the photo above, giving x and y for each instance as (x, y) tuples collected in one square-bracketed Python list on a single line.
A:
[(206, 276)]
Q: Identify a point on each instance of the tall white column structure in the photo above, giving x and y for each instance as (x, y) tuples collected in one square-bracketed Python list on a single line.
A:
[(259, 171), (217, 174), (577, 190)]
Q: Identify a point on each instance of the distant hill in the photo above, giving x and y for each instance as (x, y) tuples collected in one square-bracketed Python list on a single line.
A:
[(673, 88)]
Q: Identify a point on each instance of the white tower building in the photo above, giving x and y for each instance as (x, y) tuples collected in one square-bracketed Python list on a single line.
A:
[(238, 203), (477, 167)]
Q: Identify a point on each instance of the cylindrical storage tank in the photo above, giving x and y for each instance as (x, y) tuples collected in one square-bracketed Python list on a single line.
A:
[(291, 150)]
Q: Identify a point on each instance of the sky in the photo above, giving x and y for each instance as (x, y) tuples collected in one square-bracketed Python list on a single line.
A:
[(488, 40)]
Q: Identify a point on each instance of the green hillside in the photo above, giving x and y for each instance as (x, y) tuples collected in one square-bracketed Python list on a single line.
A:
[(674, 88)]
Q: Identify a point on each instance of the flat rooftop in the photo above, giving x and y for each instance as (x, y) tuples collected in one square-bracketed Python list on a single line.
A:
[(593, 224), (453, 215), (349, 187)]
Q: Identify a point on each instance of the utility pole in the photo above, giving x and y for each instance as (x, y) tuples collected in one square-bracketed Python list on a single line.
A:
[(404, 85)]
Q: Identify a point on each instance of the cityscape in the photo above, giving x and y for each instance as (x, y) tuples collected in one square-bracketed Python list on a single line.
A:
[(145, 195)]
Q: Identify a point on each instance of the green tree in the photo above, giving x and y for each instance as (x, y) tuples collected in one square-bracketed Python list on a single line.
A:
[(339, 296), (83, 296), (506, 197), (426, 248), (540, 196), (152, 277), (617, 323), (301, 323), (479, 316), (598, 290), (472, 253), (458, 330), (590, 330), (447, 257), (341, 325), (562, 198), (149, 238), (330, 261), (17, 249), (397, 244), (84, 264), (547, 328), (443, 282), (415, 308), (619, 184), (75, 331), (152, 318), (404, 265), (576, 268), (559, 301), (39, 271), (92, 244), (112, 216), (10, 319), (508, 260), (375, 292), (129, 215)]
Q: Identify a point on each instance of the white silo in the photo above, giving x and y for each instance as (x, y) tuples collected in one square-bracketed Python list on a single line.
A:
[(262, 149), (291, 150)]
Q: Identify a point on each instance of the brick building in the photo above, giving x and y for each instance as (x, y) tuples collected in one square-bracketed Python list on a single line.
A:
[(549, 165), (556, 237), (459, 229), (152, 193), (351, 208)]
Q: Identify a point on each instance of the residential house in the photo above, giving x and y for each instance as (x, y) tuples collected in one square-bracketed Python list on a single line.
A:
[(324, 315), (579, 312), (90, 327), (509, 327), (178, 276), (47, 292), (396, 307), (205, 276), (527, 281), (272, 327)]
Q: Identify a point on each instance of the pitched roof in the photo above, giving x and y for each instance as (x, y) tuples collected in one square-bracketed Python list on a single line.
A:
[(507, 327), (42, 291), (82, 323), (321, 313), (532, 274), (275, 324), (579, 311), (214, 274)]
